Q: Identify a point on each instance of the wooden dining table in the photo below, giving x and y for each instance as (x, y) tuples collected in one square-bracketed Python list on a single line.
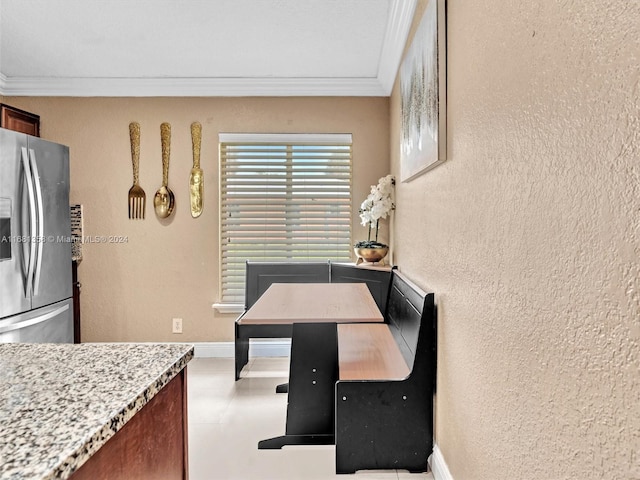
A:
[(314, 310), (288, 303)]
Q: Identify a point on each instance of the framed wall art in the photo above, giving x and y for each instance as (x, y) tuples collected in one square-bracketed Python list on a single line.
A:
[(423, 85)]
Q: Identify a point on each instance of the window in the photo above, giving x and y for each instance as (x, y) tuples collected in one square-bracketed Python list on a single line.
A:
[(283, 198)]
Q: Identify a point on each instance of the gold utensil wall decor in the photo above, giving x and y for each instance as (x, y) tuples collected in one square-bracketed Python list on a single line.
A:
[(196, 179), (164, 200), (137, 198)]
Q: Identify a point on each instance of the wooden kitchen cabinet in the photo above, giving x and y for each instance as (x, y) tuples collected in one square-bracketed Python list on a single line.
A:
[(152, 445), (122, 414), (18, 120)]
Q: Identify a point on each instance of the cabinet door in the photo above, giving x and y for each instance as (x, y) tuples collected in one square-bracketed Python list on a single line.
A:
[(152, 445), (19, 121)]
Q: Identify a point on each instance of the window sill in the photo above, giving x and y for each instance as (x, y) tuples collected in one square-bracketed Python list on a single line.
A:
[(228, 307)]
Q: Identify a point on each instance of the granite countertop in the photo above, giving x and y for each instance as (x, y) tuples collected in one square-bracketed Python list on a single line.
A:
[(59, 403)]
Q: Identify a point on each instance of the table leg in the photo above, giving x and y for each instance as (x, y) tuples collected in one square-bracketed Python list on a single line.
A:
[(313, 373)]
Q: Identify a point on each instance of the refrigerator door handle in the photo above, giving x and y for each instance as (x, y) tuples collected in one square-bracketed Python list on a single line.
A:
[(35, 320), (39, 243), (32, 221)]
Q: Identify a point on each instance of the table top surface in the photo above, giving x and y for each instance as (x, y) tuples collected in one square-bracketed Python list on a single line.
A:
[(287, 303)]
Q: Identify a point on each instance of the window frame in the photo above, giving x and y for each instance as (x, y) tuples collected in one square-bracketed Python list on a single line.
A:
[(230, 303)]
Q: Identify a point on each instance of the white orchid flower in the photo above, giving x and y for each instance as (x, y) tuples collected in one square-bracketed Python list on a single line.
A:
[(378, 204)]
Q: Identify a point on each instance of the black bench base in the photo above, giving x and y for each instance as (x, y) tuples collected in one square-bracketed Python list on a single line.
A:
[(246, 332), (388, 424), (382, 425)]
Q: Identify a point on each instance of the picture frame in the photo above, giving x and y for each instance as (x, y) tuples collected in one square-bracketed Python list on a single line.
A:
[(18, 120), (423, 85)]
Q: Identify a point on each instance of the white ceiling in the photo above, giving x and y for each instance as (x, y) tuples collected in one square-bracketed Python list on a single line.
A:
[(201, 47)]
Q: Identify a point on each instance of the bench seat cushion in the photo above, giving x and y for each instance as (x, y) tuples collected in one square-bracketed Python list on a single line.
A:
[(368, 351)]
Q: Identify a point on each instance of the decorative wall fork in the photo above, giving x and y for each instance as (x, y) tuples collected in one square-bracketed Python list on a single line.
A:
[(137, 197)]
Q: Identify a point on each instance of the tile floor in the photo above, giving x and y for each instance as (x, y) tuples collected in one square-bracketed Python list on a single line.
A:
[(228, 418)]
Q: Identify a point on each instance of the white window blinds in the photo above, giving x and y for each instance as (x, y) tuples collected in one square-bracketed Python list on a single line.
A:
[(283, 198)]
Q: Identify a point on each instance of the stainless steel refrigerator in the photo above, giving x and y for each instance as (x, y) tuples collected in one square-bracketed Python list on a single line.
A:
[(35, 240)]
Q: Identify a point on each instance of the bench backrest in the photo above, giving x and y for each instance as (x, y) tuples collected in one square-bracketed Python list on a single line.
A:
[(411, 315), (377, 280), (260, 276)]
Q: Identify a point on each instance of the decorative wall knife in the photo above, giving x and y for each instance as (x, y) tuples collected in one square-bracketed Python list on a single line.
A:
[(196, 179)]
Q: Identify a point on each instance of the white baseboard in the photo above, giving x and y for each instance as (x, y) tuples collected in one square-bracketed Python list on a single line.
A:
[(439, 466), (257, 348)]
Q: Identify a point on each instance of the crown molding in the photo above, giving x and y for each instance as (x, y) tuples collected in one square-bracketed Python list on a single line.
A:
[(398, 28), (189, 87), (3, 82)]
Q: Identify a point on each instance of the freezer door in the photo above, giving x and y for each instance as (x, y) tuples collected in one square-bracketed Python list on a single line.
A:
[(15, 224), (51, 324), (52, 271)]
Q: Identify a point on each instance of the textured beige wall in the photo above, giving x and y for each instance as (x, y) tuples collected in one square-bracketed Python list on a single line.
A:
[(530, 235), (130, 291)]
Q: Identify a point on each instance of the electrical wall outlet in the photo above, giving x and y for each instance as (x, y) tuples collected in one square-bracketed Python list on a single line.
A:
[(177, 325)]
